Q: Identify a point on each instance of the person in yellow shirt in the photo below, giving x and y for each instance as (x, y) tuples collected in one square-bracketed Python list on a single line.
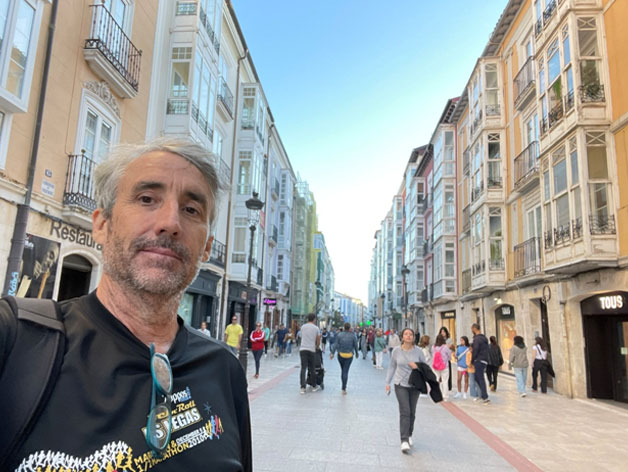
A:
[(233, 335)]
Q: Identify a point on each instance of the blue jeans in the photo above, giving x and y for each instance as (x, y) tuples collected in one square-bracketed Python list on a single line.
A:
[(345, 363), (473, 388), (480, 367), (521, 374)]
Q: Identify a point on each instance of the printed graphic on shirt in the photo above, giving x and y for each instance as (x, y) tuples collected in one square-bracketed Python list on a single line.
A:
[(118, 456)]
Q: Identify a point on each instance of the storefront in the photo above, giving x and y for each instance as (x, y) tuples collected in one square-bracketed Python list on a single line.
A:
[(448, 319), (200, 301), (506, 328), (236, 303), (605, 325)]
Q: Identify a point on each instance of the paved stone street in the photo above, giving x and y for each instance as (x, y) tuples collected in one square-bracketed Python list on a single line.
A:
[(326, 431)]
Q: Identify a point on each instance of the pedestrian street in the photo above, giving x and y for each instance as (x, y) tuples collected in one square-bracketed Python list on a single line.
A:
[(326, 431)]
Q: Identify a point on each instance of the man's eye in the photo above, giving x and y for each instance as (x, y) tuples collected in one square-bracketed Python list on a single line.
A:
[(145, 199), (191, 210)]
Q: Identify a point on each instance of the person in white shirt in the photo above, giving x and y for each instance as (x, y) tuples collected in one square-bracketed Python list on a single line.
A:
[(203, 329)]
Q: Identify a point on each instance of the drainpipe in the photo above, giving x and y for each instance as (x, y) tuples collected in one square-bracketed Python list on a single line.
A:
[(223, 303), (23, 209), (259, 301)]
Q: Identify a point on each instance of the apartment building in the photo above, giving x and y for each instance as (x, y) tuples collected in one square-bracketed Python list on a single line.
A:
[(324, 279), (97, 93), (545, 74)]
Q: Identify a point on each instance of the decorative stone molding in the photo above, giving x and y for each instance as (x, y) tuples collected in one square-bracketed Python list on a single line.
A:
[(104, 93)]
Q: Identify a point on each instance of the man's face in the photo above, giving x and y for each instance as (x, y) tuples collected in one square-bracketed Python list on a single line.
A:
[(234, 320), (158, 231)]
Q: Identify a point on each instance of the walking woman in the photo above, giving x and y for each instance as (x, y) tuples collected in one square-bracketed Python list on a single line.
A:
[(440, 364), (495, 361), (519, 362), (380, 348), (424, 344), (257, 346), (461, 357), (403, 359), (345, 344), (540, 364)]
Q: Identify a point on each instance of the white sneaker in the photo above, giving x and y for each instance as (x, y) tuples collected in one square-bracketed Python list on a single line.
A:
[(316, 389), (405, 447), (523, 395), (410, 442), (302, 391), (457, 395), (464, 396)]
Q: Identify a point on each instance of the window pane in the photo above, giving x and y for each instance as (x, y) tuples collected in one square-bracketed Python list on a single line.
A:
[(574, 167), (496, 226), (562, 210), (546, 186), (180, 79), (596, 158), (589, 73), (560, 176), (566, 50), (577, 204), (19, 52), (599, 200), (89, 141), (553, 62), (4, 9), (588, 41)]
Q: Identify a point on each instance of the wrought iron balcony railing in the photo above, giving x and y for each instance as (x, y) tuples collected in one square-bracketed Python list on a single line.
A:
[(525, 79), (576, 228), (547, 239), (562, 234), (225, 96), (217, 255), (550, 9), (108, 37), (555, 114), (602, 224), (476, 192), (79, 183), (526, 163), (178, 106), (494, 182), (569, 101), (493, 110), (186, 8), (528, 257), (479, 267), (592, 93)]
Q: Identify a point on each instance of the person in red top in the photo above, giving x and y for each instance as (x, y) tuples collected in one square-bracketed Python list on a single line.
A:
[(257, 346)]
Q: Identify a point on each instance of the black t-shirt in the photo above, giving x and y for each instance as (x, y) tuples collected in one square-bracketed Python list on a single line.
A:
[(97, 412)]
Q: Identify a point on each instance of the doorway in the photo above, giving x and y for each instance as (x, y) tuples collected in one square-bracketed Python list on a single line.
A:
[(606, 348), (545, 332), (76, 274)]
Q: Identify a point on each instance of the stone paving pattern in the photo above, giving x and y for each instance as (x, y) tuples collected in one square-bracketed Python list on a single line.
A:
[(326, 431)]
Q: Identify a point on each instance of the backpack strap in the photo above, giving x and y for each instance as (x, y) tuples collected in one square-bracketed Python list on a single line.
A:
[(30, 370)]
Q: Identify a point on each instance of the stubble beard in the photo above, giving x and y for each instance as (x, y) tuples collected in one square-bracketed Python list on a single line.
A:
[(120, 264)]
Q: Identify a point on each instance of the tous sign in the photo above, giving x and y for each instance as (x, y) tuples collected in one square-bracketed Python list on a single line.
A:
[(612, 302)]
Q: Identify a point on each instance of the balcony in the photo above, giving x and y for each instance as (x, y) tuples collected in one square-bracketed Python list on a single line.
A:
[(527, 166), (592, 93), (524, 84), (476, 123), (79, 183), (602, 224), (466, 281), (225, 99), (493, 110), (206, 22), (550, 9), (111, 54), (562, 234), (569, 101), (476, 192), (202, 123), (479, 268), (494, 181), (186, 8), (217, 255), (576, 228), (275, 189), (178, 106), (555, 114), (528, 257)]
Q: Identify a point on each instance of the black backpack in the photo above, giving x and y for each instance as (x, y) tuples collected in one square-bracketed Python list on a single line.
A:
[(30, 369)]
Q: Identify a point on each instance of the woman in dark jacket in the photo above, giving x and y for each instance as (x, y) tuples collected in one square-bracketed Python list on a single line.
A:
[(495, 360), (346, 345)]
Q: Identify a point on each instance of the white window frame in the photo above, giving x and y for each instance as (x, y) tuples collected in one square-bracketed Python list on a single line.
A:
[(10, 103), (89, 100)]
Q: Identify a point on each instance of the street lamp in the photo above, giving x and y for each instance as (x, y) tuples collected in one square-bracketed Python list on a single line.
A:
[(404, 272), (254, 205)]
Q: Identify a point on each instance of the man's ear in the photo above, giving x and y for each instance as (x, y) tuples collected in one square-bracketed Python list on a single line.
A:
[(208, 249), (99, 226)]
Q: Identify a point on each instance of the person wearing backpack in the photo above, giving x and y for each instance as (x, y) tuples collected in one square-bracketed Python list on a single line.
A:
[(440, 358), (133, 376)]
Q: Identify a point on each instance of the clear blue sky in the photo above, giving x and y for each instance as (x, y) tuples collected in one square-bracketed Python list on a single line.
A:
[(354, 86)]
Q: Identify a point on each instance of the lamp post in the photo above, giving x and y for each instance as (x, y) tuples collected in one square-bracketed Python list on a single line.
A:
[(254, 205), (404, 272)]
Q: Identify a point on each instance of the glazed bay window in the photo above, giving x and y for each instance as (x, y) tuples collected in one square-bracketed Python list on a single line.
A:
[(567, 70), (241, 230), (179, 81), (494, 161), (438, 212), (248, 108), (477, 172), (204, 96), (448, 155), (495, 238), (449, 210), (601, 219), (492, 90), (591, 88), (479, 264), (244, 173)]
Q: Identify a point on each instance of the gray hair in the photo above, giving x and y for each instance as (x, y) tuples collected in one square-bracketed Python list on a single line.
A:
[(108, 174)]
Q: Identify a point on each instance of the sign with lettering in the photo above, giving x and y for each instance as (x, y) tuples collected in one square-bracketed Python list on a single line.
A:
[(72, 234), (270, 301), (612, 303)]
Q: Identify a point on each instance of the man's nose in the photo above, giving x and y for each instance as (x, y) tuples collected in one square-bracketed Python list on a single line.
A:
[(168, 218)]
